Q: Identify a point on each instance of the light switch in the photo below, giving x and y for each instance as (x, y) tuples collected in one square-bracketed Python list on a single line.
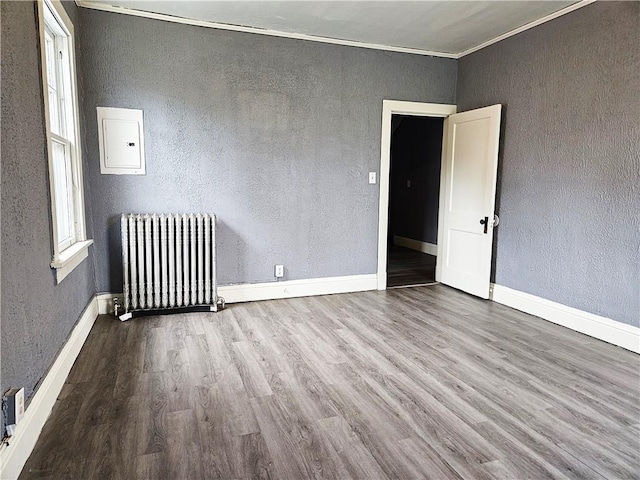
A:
[(372, 177)]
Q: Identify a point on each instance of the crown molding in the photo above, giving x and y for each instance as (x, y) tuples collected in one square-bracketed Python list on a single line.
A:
[(535, 23), (314, 38), (259, 31)]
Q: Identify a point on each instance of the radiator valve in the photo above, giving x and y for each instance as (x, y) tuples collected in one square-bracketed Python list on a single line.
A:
[(116, 306), (220, 303)]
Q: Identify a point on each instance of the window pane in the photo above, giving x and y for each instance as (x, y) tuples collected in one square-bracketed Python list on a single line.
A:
[(64, 89), (54, 114), (63, 191), (50, 55)]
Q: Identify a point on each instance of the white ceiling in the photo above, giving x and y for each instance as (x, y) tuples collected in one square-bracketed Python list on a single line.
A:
[(445, 27)]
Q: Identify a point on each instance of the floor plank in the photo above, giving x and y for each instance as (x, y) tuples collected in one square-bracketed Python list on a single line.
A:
[(426, 382)]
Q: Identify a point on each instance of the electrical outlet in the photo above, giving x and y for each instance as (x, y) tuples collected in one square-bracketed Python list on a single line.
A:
[(13, 407), (279, 271)]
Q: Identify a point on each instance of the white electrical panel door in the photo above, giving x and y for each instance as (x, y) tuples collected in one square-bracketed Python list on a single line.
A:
[(121, 140)]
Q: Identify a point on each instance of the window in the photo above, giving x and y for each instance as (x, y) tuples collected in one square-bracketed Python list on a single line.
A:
[(63, 142)]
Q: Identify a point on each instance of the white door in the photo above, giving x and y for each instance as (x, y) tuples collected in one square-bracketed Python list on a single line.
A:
[(468, 190)]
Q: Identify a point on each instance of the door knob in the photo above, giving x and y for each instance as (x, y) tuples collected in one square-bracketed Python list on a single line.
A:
[(484, 221)]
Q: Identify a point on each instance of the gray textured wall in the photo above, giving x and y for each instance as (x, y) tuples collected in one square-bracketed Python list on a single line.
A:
[(37, 314), (569, 190), (274, 135), (416, 155)]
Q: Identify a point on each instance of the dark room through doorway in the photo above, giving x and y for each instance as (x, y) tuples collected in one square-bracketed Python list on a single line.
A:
[(414, 191)]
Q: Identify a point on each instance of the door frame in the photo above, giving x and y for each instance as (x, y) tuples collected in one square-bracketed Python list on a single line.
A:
[(389, 108)]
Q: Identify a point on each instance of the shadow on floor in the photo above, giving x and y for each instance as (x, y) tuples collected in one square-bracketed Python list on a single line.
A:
[(409, 267)]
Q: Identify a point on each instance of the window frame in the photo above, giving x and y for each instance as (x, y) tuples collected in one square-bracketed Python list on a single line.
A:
[(69, 253)]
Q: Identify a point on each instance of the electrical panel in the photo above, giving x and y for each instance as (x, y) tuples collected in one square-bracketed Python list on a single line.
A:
[(121, 140)]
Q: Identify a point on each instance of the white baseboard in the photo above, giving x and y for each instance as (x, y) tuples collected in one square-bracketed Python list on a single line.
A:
[(14, 455), (602, 328), (251, 292), (420, 246)]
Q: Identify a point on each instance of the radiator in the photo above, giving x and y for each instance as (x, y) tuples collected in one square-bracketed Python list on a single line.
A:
[(169, 262)]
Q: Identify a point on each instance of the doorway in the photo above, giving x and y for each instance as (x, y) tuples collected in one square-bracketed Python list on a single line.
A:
[(414, 189), (466, 215), (389, 109)]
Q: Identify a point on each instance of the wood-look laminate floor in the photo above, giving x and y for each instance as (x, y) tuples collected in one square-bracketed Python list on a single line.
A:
[(425, 382), (406, 267)]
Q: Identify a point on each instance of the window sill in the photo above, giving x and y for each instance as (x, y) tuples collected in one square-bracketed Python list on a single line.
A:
[(70, 258)]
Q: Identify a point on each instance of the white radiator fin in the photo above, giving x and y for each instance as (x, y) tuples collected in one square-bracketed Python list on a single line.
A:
[(148, 279), (207, 260), (164, 260), (192, 245), (124, 232), (186, 262), (168, 261), (140, 283)]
